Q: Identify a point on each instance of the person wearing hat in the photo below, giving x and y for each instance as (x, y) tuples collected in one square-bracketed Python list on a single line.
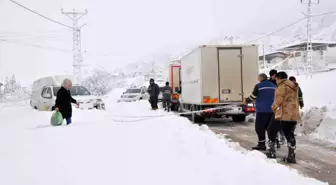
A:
[(153, 91)]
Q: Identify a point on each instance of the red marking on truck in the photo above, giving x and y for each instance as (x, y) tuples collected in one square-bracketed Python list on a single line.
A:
[(210, 100), (172, 75)]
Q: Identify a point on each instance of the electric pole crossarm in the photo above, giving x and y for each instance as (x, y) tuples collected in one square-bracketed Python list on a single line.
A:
[(77, 49)]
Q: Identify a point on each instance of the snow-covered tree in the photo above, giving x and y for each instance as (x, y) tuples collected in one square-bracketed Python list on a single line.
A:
[(99, 83), (11, 85)]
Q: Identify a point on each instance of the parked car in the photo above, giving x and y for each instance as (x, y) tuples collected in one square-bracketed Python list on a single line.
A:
[(134, 94), (45, 90)]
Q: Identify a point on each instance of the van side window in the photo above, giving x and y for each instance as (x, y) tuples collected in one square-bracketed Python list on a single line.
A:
[(46, 93)]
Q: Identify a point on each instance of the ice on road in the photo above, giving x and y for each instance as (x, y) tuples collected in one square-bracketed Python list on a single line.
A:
[(100, 149)]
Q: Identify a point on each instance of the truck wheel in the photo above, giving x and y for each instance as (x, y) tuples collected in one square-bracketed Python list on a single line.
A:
[(238, 118)]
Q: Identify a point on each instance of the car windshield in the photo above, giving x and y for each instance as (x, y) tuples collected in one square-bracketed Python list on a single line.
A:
[(75, 91), (131, 91)]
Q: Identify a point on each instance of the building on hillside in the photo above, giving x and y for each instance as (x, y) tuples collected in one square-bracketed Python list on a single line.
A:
[(324, 52)]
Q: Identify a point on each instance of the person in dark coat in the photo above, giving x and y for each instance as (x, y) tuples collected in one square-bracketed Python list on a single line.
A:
[(272, 74), (280, 138), (263, 95), (64, 100), (293, 79), (154, 91), (167, 95)]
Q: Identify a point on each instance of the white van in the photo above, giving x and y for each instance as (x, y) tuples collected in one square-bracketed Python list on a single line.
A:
[(134, 94), (45, 90)]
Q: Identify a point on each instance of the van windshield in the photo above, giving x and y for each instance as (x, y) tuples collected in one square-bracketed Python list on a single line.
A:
[(131, 91), (75, 91)]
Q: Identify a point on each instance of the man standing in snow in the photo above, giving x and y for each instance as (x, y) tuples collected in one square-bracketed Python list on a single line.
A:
[(286, 108), (154, 91), (64, 100), (167, 95), (263, 94), (280, 135), (292, 78)]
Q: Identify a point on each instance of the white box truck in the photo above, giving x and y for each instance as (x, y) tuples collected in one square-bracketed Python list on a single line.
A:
[(216, 79)]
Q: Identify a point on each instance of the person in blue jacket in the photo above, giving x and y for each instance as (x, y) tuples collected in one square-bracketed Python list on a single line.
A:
[(263, 95)]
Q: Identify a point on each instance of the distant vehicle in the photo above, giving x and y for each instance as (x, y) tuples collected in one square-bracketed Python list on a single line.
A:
[(160, 97), (216, 79), (134, 94), (45, 90)]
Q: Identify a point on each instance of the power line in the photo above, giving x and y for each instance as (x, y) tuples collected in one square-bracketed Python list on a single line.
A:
[(283, 28), (289, 25), (37, 46), (42, 15)]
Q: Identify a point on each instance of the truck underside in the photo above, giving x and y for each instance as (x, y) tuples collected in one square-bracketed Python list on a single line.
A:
[(200, 112)]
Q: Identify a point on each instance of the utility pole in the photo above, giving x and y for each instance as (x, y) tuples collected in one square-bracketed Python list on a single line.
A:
[(309, 50), (76, 48)]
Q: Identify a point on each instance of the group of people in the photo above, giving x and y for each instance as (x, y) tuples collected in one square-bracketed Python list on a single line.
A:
[(154, 92), (278, 101)]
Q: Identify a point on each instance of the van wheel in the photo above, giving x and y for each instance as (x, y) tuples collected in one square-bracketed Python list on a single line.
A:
[(238, 118)]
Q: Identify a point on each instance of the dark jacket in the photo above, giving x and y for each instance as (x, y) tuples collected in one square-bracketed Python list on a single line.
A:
[(273, 81), (263, 94), (167, 92), (153, 90), (300, 97), (63, 102)]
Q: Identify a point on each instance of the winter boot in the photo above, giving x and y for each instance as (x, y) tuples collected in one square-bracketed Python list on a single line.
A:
[(291, 155), (261, 146), (271, 151)]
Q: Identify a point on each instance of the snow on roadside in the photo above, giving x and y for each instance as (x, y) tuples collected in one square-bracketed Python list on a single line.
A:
[(319, 117), (97, 149)]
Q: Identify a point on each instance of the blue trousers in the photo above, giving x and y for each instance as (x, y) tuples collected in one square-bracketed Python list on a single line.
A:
[(68, 121)]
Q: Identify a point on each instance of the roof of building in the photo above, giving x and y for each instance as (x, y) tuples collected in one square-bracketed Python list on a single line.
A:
[(302, 45)]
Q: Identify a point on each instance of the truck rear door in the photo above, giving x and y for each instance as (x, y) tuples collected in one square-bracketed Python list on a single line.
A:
[(230, 74)]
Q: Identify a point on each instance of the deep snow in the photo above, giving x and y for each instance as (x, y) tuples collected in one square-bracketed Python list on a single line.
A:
[(319, 118), (106, 147)]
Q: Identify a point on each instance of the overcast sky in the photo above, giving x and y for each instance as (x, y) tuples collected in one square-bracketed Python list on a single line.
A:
[(125, 31)]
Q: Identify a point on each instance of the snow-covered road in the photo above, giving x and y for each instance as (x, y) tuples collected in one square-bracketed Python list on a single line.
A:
[(98, 148)]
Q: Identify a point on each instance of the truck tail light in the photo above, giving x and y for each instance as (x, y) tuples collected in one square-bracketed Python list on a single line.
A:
[(175, 96), (249, 109), (210, 110)]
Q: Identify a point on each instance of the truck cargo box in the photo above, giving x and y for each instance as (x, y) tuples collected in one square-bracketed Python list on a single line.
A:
[(219, 74)]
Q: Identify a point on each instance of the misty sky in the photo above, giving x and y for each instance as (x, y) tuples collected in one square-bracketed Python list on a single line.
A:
[(120, 32)]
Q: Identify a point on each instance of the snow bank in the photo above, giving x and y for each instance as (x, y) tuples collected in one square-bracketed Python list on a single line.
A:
[(100, 149), (319, 117)]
